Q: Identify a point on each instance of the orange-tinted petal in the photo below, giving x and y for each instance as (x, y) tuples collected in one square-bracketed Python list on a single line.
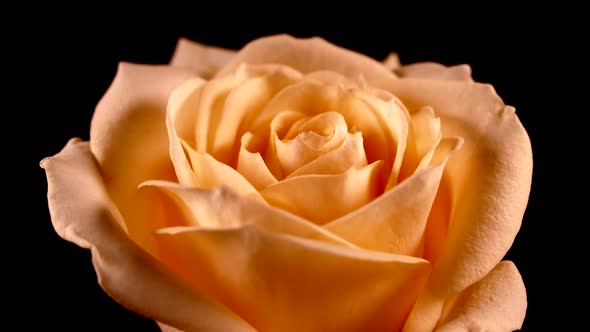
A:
[(489, 182), (435, 71), (284, 283), (392, 62), (395, 221), (223, 208), (251, 165), (308, 55), (495, 303), (204, 60), (82, 212), (129, 139), (322, 198), (180, 122), (210, 173)]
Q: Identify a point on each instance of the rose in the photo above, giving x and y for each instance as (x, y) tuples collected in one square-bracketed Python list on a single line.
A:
[(298, 186)]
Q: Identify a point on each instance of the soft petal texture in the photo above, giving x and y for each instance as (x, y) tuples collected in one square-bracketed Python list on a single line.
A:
[(323, 198), (395, 222), (489, 181), (435, 71), (251, 164), (242, 103), (222, 208), (83, 213), (204, 60), (391, 62), (180, 123), (210, 173), (495, 303), (128, 137), (308, 55), (382, 119), (284, 283)]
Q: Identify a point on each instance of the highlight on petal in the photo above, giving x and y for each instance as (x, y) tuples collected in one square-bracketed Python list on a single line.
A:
[(128, 137), (203, 59), (82, 212), (495, 303), (489, 181), (223, 208), (283, 283), (395, 222), (308, 55), (322, 198), (435, 71)]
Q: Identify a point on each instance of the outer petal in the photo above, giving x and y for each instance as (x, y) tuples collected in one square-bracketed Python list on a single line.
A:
[(489, 180), (82, 212), (307, 55), (204, 60), (284, 283), (495, 303), (128, 138), (395, 222), (435, 71)]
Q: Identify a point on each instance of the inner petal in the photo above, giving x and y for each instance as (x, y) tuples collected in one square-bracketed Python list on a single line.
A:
[(322, 198)]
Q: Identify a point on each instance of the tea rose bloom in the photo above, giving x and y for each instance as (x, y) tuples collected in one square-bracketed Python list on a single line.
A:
[(298, 186)]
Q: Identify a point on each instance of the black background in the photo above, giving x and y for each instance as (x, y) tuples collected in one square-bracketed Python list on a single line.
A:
[(59, 62)]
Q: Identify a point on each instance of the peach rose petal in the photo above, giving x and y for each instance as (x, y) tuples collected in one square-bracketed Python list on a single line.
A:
[(204, 60), (130, 117), (211, 173), (392, 62), (180, 122), (82, 212), (308, 55), (224, 208), (243, 101), (395, 222), (489, 180), (251, 164), (351, 154), (380, 127), (283, 283), (322, 198), (495, 303), (435, 71)]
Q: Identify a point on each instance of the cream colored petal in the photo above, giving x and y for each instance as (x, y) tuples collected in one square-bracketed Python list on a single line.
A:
[(242, 104), (223, 208), (211, 173), (308, 55), (392, 62), (83, 213), (435, 71), (203, 59), (284, 283), (495, 303), (251, 165), (351, 154), (395, 222), (322, 198), (180, 122), (489, 182), (129, 139)]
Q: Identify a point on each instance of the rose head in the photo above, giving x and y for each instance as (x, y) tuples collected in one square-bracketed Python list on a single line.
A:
[(298, 186)]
